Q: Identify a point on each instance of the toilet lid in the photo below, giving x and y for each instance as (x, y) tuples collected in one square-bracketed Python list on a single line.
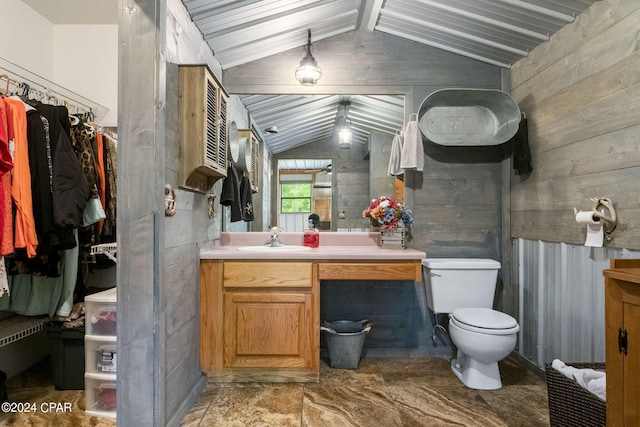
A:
[(484, 320)]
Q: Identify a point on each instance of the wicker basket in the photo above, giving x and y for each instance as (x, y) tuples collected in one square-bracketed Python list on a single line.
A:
[(569, 403)]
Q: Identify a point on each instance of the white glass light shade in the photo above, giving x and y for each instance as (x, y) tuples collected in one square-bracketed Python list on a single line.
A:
[(308, 73), (344, 133)]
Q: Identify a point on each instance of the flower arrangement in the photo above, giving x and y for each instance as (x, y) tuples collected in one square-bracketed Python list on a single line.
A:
[(386, 213)]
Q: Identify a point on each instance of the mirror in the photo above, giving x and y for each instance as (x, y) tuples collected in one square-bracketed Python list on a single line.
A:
[(304, 187), (303, 126)]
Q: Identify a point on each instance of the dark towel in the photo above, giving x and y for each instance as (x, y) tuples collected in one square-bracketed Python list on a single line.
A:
[(247, 199), (231, 193), (520, 147)]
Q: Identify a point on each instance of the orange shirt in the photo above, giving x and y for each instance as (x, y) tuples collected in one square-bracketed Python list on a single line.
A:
[(25, 226)]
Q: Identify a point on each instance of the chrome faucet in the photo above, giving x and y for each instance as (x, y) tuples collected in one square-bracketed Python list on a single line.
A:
[(275, 240)]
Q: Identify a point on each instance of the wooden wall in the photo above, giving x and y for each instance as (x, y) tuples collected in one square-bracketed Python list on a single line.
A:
[(184, 234), (581, 94), (457, 201), (361, 62)]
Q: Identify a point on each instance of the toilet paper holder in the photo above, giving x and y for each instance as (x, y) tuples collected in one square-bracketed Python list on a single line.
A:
[(600, 207)]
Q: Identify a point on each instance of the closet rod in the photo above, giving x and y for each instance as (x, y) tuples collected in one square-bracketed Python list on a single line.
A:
[(51, 91)]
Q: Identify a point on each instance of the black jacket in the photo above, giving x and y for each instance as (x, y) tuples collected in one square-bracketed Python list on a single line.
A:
[(70, 187)]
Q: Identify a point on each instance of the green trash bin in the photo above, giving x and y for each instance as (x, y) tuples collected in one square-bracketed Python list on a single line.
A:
[(345, 339), (67, 356)]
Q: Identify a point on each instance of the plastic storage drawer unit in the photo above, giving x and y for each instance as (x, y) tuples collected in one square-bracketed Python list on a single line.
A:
[(100, 356), (100, 313), (100, 391)]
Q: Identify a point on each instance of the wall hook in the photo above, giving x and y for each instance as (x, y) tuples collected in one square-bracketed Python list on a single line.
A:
[(211, 198), (169, 200)]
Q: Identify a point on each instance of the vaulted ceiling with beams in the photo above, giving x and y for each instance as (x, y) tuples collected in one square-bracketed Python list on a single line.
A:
[(497, 32)]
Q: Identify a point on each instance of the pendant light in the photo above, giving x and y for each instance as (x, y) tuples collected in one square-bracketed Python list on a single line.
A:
[(308, 73), (343, 126)]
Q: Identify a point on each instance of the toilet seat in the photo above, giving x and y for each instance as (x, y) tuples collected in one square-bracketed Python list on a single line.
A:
[(484, 321)]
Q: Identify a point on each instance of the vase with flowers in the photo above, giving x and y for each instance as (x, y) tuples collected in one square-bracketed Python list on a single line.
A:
[(387, 214), (393, 219)]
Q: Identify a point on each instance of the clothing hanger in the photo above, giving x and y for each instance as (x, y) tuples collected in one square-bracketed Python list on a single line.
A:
[(6, 91), (73, 120)]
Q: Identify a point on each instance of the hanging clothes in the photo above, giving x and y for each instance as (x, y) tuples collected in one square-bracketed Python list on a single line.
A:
[(83, 137), (70, 186), (50, 237), (101, 173), (4, 283), (520, 147), (6, 165), (108, 233), (231, 193), (412, 150), (25, 229)]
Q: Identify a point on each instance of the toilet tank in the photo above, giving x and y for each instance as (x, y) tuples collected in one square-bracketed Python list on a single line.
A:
[(452, 283)]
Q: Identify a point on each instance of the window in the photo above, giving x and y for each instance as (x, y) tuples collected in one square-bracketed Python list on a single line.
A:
[(295, 197)]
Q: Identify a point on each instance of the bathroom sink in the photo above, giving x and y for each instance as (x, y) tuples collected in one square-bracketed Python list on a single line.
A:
[(263, 248)]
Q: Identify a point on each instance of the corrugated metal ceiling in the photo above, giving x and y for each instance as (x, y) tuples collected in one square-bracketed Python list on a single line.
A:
[(495, 31), (304, 119), (498, 32)]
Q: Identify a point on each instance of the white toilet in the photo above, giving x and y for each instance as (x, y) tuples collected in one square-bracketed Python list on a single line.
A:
[(464, 288)]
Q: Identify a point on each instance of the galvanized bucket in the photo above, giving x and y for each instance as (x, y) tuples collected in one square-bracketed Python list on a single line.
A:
[(345, 339), (469, 117)]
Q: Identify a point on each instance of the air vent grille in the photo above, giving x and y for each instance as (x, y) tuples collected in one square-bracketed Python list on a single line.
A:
[(212, 128), (222, 149)]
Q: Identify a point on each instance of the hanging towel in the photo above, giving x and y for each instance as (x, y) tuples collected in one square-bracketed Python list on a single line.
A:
[(246, 199), (394, 168), (521, 152), (231, 193), (412, 150)]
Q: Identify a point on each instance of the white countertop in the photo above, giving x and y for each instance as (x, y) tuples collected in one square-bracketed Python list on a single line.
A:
[(333, 246)]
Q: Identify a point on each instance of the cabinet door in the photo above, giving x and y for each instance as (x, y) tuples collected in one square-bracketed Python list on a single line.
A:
[(268, 330), (632, 365)]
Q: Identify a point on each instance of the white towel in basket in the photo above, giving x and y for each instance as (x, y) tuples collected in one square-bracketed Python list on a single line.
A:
[(590, 379)]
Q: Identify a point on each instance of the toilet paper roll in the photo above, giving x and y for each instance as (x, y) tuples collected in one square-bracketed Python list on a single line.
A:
[(588, 217), (595, 233)]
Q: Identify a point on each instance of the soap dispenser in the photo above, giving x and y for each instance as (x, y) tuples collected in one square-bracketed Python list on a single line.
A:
[(311, 236)]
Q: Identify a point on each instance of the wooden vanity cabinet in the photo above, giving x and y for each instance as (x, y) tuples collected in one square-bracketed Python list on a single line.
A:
[(260, 320), (622, 324)]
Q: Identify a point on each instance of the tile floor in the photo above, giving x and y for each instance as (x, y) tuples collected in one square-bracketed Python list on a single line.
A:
[(403, 391), (383, 391)]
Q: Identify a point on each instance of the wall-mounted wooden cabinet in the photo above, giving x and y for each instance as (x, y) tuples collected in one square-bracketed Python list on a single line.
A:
[(203, 129)]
